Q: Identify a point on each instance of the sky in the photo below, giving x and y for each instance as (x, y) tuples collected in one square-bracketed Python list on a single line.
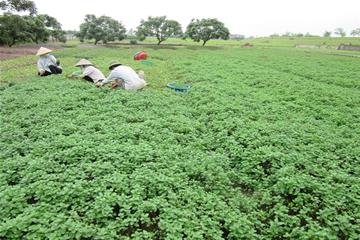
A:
[(250, 17)]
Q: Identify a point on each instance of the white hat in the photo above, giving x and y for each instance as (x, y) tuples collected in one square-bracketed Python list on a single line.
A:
[(83, 62), (43, 51)]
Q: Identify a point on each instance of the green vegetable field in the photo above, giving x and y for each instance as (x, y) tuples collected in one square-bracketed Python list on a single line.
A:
[(265, 145)]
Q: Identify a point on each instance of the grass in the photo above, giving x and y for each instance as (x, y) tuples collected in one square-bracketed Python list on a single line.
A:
[(264, 146)]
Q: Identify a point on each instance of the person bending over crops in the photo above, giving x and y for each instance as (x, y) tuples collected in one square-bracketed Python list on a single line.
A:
[(124, 77), (47, 63), (89, 72)]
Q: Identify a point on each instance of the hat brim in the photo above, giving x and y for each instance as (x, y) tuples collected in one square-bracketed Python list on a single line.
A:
[(114, 65), (86, 64), (43, 53)]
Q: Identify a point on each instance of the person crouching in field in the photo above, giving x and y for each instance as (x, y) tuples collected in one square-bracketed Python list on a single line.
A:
[(47, 63), (89, 71), (124, 77)]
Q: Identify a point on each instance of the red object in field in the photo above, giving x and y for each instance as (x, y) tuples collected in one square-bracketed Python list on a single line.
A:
[(140, 56)]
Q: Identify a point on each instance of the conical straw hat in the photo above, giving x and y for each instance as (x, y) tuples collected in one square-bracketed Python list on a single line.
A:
[(83, 62), (43, 51)]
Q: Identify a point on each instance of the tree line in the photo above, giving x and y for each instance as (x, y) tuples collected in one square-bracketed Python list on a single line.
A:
[(337, 32), (15, 28), (341, 32), (106, 29)]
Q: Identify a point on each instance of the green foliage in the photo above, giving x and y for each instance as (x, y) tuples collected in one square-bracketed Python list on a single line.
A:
[(327, 34), (59, 35), (37, 28), (340, 32), (29, 28), (13, 29), (133, 41), (158, 27), (265, 146), (18, 6), (206, 29), (104, 28), (286, 42), (355, 32)]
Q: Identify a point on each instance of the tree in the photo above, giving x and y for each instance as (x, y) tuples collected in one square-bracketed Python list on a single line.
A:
[(287, 34), (54, 28), (29, 28), (206, 29), (18, 6), (340, 32), (327, 34), (102, 28), (71, 34), (44, 26), (59, 35), (13, 29), (158, 27), (35, 25), (355, 32)]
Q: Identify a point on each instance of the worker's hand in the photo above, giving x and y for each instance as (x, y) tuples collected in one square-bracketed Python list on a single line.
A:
[(99, 84)]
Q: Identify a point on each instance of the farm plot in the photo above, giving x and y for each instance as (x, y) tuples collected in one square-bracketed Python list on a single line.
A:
[(264, 146)]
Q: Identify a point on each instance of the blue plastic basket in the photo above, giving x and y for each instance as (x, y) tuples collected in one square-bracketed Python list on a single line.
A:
[(179, 88), (146, 62)]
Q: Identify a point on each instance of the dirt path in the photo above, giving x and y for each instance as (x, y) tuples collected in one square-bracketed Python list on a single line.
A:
[(21, 50)]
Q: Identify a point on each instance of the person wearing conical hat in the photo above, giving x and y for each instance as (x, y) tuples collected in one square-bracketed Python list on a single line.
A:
[(124, 77), (89, 71), (47, 63)]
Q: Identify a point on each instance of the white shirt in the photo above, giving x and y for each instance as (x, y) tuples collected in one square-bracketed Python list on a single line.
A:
[(132, 81), (94, 73), (45, 61)]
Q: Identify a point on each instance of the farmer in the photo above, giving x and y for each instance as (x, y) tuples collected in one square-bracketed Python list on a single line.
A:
[(124, 77), (89, 72), (47, 63)]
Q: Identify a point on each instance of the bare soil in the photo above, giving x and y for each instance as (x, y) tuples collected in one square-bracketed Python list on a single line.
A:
[(21, 50)]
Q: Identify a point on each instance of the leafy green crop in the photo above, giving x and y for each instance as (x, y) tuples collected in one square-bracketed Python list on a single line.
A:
[(264, 146)]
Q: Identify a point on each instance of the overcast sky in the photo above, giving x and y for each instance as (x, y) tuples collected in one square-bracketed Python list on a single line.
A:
[(249, 17)]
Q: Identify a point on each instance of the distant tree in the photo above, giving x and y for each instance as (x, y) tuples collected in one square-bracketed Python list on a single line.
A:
[(287, 34), (355, 32), (71, 34), (274, 35), (311, 35), (340, 32), (59, 35), (327, 34), (130, 32), (206, 29), (54, 28), (158, 27), (104, 28), (237, 36), (18, 6), (13, 29), (298, 35)]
